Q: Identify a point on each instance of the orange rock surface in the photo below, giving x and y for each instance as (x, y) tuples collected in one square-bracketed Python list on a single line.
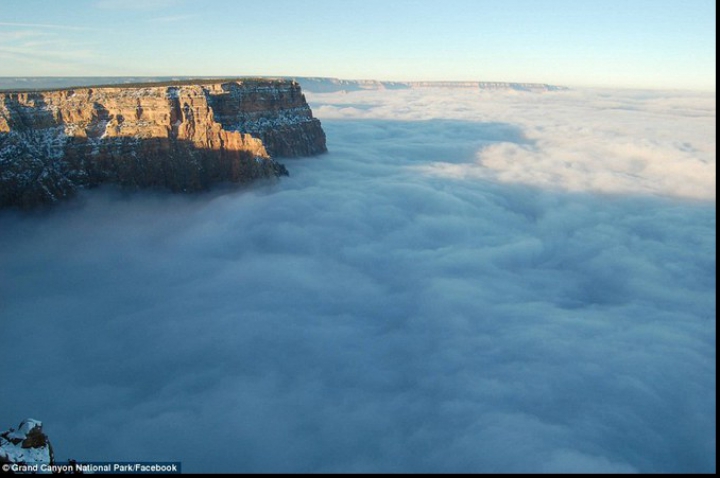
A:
[(181, 136)]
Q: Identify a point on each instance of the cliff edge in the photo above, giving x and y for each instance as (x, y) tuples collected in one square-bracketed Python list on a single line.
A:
[(183, 136)]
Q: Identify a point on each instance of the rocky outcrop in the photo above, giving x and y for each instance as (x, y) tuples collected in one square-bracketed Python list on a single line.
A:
[(183, 136), (26, 445)]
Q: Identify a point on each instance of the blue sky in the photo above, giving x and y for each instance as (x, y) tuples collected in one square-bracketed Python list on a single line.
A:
[(628, 43)]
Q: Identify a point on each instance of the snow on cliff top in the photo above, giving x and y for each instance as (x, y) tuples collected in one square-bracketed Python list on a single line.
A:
[(28, 444)]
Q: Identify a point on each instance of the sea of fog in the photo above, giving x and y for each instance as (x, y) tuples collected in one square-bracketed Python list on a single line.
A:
[(470, 281)]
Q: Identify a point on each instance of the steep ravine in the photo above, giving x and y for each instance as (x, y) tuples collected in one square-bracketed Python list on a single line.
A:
[(182, 136)]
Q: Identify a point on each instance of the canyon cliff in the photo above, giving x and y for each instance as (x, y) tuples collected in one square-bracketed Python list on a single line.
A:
[(182, 136)]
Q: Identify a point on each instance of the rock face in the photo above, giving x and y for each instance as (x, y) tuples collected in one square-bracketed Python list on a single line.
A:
[(183, 136), (27, 445)]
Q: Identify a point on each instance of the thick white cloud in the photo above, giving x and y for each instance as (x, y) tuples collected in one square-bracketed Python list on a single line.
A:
[(619, 142), (436, 294)]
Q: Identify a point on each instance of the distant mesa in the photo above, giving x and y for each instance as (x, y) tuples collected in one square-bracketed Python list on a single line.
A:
[(309, 84), (181, 135), (331, 85)]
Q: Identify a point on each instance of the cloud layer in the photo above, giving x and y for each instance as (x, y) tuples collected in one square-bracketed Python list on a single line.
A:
[(437, 294), (619, 142)]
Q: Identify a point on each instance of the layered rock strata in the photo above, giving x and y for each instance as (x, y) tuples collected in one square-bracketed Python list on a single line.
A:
[(183, 136)]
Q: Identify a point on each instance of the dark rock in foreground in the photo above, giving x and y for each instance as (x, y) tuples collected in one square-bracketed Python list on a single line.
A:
[(26, 445)]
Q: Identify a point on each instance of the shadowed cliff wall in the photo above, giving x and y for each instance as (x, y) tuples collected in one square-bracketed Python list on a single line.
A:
[(183, 137)]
